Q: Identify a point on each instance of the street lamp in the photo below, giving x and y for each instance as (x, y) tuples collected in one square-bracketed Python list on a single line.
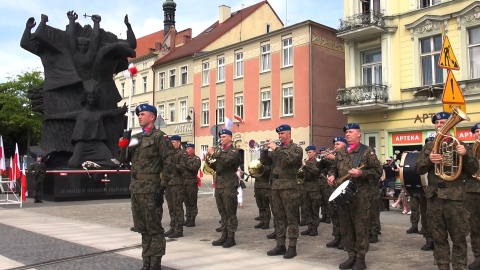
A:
[(191, 111)]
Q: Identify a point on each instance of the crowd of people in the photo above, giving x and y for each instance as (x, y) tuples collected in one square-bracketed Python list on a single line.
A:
[(342, 186)]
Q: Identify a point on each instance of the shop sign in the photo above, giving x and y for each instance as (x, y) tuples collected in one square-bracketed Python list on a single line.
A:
[(465, 135), (423, 117), (407, 137), (183, 129)]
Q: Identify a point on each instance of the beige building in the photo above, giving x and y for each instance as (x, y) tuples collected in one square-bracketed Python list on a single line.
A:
[(393, 81)]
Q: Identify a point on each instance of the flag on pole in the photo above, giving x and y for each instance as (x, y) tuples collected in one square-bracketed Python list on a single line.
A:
[(23, 183), (228, 123), (16, 164), (238, 118), (3, 168), (10, 176)]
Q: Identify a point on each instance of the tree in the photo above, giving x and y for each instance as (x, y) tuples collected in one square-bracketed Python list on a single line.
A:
[(17, 120)]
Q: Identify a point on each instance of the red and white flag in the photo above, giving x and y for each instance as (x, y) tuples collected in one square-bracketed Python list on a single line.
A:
[(10, 176), (238, 118), (23, 183), (16, 165), (3, 168)]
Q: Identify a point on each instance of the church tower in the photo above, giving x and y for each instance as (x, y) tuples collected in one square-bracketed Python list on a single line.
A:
[(169, 8)]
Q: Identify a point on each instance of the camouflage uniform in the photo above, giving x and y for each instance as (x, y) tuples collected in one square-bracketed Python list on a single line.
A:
[(355, 218), (311, 202), (39, 171), (325, 164), (190, 165), (418, 206), (325, 189), (147, 164), (226, 164), (287, 160), (375, 199), (472, 200), (447, 214), (262, 195)]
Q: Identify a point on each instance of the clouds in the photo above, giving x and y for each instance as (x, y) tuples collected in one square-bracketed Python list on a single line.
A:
[(145, 16)]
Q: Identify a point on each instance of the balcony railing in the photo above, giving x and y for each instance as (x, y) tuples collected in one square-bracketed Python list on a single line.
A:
[(373, 22), (363, 96)]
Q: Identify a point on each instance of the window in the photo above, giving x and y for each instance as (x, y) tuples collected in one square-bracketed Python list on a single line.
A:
[(428, 3), (133, 86), (265, 106), (172, 78), (429, 55), (183, 111), (267, 29), (265, 64), (184, 74), (474, 52), (144, 84), (132, 117), (287, 101), (221, 69), (205, 113), (372, 67), (369, 6), (205, 73), (239, 65), (161, 80), (221, 111), (287, 52), (239, 105), (204, 149), (144, 65), (122, 87), (161, 110), (171, 108)]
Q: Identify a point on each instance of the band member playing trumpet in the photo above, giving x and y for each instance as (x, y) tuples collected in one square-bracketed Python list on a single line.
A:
[(355, 217), (472, 188), (311, 202), (447, 214), (287, 159), (225, 160)]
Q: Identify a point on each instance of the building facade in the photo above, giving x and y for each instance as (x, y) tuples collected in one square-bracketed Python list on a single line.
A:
[(393, 82)]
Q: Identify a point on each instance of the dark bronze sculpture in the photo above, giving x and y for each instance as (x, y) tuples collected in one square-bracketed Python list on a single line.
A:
[(79, 62)]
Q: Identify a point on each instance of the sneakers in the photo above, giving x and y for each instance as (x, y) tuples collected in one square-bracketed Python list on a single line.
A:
[(409, 212)]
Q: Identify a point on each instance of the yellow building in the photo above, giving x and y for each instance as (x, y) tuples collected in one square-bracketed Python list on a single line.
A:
[(393, 81)]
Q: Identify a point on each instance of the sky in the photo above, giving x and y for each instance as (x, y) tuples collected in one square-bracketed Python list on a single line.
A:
[(144, 17)]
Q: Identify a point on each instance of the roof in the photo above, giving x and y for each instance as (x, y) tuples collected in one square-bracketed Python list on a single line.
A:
[(209, 35), (144, 44)]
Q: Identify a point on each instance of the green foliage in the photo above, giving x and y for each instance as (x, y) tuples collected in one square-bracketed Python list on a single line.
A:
[(17, 120)]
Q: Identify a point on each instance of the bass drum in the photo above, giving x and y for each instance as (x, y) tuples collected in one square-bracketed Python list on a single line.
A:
[(409, 177)]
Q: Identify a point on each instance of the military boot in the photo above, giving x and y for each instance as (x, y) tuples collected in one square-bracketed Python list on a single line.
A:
[(291, 252), (133, 229), (422, 231), (334, 243), (259, 225), (475, 265), (413, 229), (307, 231), (359, 264), (313, 231), (156, 263), (443, 266), (167, 233), (348, 263), (191, 222), (187, 219), (230, 242), (428, 246), (257, 218), (175, 234), (220, 241), (219, 229), (266, 225), (373, 238), (278, 250), (273, 235), (37, 200), (146, 263)]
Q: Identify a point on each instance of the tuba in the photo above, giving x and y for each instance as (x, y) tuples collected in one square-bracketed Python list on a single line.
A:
[(451, 166), (256, 168), (476, 153)]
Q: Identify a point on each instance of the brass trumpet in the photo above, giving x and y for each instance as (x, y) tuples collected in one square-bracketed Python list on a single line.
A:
[(301, 174), (319, 157)]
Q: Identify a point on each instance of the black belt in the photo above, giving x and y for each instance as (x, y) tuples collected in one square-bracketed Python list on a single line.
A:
[(456, 183)]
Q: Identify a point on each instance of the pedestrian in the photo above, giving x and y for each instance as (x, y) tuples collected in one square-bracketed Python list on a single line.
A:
[(447, 213), (287, 159), (190, 164), (38, 170), (147, 159), (355, 217)]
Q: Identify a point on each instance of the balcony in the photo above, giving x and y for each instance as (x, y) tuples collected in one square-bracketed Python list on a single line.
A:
[(362, 98), (361, 26)]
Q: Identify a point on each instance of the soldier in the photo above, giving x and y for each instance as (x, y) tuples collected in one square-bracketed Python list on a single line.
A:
[(267, 161), (175, 189), (327, 162), (472, 198), (355, 217), (287, 159), (225, 160), (147, 158), (189, 165), (262, 196), (375, 200), (325, 189), (311, 202), (418, 206), (38, 170), (447, 214)]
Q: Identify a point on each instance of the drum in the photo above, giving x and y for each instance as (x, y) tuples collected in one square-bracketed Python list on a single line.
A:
[(409, 177), (343, 195)]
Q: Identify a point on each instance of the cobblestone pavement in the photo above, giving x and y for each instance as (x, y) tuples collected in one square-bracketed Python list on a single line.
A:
[(396, 249)]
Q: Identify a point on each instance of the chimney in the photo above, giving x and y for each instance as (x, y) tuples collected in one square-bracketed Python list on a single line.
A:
[(224, 12)]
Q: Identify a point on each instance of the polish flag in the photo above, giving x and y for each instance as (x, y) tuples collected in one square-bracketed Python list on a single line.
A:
[(228, 123), (16, 173), (3, 168), (238, 118), (10, 176), (23, 183)]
